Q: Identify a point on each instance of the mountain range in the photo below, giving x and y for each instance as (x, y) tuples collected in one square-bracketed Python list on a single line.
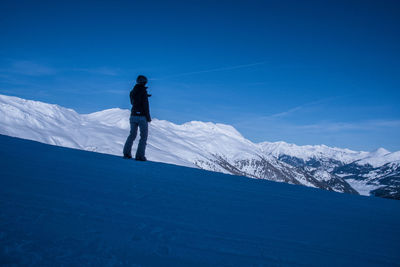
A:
[(211, 146)]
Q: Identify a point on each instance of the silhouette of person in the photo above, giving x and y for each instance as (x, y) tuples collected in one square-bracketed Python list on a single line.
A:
[(140, 117)]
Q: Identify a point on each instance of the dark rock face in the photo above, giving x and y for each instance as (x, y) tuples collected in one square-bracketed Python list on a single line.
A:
[(353, 171), (387, 192)]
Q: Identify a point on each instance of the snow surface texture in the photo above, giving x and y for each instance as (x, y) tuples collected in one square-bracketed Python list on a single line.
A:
[(210, 146), (61, 206)]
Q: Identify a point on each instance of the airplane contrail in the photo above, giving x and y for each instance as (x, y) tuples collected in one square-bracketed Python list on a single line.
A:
[(211, 70)]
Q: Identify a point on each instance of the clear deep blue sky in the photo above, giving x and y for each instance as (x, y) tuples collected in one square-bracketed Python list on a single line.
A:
[(305, 72)]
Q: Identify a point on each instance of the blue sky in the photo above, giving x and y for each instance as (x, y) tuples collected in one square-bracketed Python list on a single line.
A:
[(305, 72)]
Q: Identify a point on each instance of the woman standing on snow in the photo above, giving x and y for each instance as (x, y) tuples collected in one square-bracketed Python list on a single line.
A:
[(140, 117)]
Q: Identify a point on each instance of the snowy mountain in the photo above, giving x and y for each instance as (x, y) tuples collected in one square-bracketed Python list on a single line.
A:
[(209, 146), (369, 173), (68, 207), (308, 153)]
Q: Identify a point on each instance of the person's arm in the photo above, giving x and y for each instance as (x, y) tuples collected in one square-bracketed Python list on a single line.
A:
[(146, 107), (131, 97)]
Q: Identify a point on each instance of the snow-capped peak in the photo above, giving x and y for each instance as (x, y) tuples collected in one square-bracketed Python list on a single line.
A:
[(381, 158), (379, 152), (308, 152)]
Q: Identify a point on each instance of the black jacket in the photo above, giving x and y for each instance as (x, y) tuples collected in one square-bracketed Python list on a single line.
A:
[(140, 101)]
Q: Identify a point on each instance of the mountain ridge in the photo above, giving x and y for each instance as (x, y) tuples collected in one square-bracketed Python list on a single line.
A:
[(211, 146)]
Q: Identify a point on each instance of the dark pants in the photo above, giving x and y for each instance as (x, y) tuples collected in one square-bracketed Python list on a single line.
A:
[(141, 122)]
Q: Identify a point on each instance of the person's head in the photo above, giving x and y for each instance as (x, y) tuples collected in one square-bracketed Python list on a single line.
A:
[(141, 80)]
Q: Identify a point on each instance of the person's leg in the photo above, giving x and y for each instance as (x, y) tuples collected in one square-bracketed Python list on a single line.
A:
[(132, 135), (143, 125)]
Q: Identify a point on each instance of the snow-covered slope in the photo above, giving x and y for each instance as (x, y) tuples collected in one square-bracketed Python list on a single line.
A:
[(380, 158), (71, 207), (106, 132), (206, 145)]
